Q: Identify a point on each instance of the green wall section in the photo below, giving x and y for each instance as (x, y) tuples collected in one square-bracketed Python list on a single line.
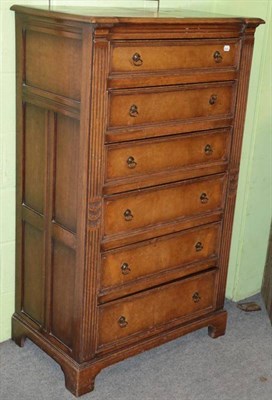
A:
[(254, 201)]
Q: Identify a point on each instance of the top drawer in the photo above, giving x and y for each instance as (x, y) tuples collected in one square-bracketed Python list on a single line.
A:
[(173, 55)]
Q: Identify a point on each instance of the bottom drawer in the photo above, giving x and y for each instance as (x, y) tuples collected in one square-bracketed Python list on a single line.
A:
[(151, 309)]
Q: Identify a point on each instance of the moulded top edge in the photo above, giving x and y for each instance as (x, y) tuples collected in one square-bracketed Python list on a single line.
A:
[(114, 15)]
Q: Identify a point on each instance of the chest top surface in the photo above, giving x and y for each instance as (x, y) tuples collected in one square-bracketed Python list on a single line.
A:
[(100, 15)]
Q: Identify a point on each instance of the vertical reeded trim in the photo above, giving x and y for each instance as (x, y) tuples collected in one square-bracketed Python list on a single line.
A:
[(238, 128), (81, 307), (98, 126)]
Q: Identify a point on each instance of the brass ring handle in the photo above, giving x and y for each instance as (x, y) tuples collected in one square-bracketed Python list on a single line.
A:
[(217, 56), (137, 60), (196, 297), (122, 322), (125, 269), (208, 149), (213, 99), (133, 111), (131, 162), (204, 198), (199, 246), (128, 215)]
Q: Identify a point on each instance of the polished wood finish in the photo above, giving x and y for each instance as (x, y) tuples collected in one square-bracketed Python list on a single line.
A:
[(129, 133), (171, 155), (149, 310), (40, 54), (160, 254), (150, 207), (146, 106), (154, 56)]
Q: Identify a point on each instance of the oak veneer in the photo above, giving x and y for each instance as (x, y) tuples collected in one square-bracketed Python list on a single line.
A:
[(149, 207), (151, 106), (172, 56), (129, 132), (159, 254), (155, 156), (153, 309)]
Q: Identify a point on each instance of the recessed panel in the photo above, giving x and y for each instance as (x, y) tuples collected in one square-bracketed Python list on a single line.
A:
[(34, 157), (53, 63), (33, 273), (66, 179), (63, 270)]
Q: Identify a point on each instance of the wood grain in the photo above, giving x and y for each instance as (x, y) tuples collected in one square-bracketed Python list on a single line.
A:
[(170, 155), (158, 205), (158, 55), (148, 310), (158, 254), (126, 179), (170, 104)]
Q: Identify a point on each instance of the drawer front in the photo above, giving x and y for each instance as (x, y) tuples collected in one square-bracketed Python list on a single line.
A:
[(173, 55), (149, 106), (157, 307), (123, 213), (155, 156), (160, 254)]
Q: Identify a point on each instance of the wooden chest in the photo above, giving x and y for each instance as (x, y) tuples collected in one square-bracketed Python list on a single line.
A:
[(129, 133)]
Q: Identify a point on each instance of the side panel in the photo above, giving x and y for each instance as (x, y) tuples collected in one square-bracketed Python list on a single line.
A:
[(34, 157), (33, 277), (33, 209), (63, 283), (51, 177), (66, 172), (53, 63), (49, 214)]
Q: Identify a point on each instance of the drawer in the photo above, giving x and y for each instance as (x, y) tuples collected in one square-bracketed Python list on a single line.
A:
[(163, 104), (152, 309), (161, 254), (166, 155), (163, 204), (138, 57)]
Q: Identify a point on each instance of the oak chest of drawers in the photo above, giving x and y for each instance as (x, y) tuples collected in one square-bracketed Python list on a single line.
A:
[(129, 133)]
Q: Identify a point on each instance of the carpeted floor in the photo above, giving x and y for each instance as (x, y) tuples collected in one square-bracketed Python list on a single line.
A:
[(237, 366)]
